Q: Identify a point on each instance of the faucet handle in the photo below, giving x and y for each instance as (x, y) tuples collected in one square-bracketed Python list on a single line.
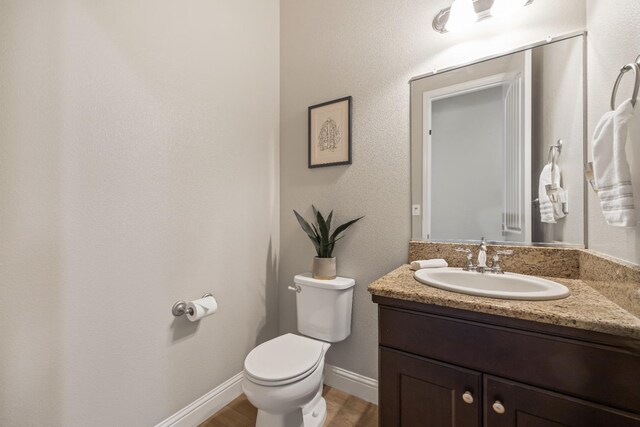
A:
[(469, 253), (495, 267)]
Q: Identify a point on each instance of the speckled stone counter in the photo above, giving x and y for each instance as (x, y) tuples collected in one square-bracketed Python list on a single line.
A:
[(585, 308), (532, 260), (605, 293), (617, 280)]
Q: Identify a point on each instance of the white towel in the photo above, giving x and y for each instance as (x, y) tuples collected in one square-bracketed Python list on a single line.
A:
[(550, 211), (611, 168), (429, 263)]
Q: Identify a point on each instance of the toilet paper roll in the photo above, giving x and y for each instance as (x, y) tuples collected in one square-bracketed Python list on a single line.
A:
[(200, 308)]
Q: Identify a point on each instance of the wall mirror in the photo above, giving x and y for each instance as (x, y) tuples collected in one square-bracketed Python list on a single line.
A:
[(498, 148)]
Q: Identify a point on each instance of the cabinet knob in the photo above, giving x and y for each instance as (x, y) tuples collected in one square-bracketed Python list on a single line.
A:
[(498, 407), (467, 397)]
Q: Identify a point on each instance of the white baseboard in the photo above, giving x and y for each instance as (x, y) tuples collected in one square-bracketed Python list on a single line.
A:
[(204, 407), (355, 384)]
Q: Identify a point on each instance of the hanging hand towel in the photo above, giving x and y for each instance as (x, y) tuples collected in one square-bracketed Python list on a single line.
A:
[(550, 211), (611, 168)]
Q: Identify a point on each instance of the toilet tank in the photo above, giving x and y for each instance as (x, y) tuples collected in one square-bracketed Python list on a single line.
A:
[(324, 307)]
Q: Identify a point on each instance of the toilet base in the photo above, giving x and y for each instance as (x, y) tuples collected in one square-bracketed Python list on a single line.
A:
[(313, 414), (317, 415)]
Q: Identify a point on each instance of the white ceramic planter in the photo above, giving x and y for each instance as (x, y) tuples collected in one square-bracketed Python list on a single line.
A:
[(324, 268)]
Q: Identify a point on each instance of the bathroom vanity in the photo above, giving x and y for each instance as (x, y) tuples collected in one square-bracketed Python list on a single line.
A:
[(449, 359), (489, 143)]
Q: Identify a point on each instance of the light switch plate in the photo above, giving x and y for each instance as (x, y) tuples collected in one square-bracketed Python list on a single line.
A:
[(415, 210)]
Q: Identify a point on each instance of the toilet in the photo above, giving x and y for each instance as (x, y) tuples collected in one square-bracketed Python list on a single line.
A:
[(283, 377)]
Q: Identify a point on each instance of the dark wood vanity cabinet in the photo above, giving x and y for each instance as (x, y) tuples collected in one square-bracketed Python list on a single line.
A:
[(415, 389), (526, 406), (446, 367)]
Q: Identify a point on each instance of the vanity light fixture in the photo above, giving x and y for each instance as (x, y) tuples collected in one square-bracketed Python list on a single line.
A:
[(463, 13)]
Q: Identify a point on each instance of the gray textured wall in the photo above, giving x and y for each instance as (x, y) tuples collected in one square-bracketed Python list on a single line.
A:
[(559, 114), (334, 48), (138, 143), (613, 40)]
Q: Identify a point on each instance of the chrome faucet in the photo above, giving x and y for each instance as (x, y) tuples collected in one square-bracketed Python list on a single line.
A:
[(481, 267), (482, 256)]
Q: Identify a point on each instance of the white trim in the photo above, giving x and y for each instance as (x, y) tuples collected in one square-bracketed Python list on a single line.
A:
[(204, 407), (355, 384)]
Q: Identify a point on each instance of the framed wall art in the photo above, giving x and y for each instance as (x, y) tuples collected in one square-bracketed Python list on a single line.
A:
[(330, 133)]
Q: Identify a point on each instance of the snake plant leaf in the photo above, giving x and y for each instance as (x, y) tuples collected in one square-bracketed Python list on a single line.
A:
[(324, 234), (318, 239), (322, 225), (304, 224), (343, 227), (329, 221), (332, 244), (307, 229)]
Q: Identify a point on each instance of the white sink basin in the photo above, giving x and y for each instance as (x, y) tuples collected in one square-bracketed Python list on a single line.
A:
[(506, 286)]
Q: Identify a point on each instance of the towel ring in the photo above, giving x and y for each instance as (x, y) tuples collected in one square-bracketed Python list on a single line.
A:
[(636, 69)]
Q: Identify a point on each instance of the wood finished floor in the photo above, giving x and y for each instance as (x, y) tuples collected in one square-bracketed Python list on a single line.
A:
[(343, 410)]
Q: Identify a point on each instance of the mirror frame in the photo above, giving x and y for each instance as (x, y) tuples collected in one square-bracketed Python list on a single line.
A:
[(416, 142)]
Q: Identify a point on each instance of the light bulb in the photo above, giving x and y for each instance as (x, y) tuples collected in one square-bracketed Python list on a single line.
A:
[(506, 8), (461, 15)]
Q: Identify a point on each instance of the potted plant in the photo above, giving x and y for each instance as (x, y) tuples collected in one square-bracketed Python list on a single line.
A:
[(319, 231)]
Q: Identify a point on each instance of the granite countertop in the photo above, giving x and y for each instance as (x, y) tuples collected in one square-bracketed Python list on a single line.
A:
[(585, 308)]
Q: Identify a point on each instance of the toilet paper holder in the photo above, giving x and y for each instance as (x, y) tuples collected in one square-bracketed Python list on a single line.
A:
[(180, 307)]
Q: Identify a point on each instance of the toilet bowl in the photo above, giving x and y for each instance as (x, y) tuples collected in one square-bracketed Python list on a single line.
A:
[(283, 377)]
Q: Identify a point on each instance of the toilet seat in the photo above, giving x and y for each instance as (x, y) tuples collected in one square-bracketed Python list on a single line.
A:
[(283, 360)]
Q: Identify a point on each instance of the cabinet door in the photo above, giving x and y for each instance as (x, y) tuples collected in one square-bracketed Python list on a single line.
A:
[(418, 392), (512, 404)]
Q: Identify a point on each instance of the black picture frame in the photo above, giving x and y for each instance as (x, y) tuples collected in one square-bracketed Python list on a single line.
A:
[(348, 160)]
